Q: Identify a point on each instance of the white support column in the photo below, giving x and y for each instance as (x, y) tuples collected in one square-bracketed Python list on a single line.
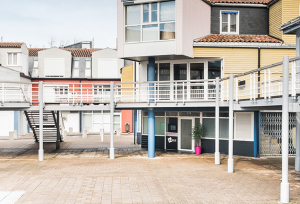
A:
[(112, 110), (230, 142), (217, 128), (297, 159), (285, 186), (41, 109)]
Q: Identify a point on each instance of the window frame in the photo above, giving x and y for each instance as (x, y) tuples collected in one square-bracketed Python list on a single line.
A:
[(17, 59), (142, 23), (237, 23), (76, 68)]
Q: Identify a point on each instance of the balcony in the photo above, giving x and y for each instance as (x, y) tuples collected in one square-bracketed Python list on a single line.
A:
[(264, 84)]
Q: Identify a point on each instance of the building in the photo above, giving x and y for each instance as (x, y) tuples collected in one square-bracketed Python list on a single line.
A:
[(176, 42), (80, 66)]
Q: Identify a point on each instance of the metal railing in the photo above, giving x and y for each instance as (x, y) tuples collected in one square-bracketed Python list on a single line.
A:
[(263, 83)]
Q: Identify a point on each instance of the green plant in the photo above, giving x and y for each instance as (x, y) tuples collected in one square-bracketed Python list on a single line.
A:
[(198, 133)]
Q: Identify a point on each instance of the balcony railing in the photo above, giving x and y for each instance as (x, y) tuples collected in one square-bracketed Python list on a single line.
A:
[(263, 83)]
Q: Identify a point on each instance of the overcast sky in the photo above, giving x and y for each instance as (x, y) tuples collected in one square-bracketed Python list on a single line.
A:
[(35, 22)]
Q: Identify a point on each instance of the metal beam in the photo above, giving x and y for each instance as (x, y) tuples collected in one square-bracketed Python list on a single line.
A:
[(57, 132), (217, 128)]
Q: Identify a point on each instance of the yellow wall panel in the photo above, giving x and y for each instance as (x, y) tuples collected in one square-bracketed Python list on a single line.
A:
[(271, 56), (237, 60), (290, 10), (275, 19), (127, 74)]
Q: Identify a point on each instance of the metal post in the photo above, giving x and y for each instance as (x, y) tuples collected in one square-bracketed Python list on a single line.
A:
[(135, 124), (41, 108), (151, 77), (151, 133), (285, 186), (297, 159), (58, 131), (112, 110), (230, 142), (217, 128)]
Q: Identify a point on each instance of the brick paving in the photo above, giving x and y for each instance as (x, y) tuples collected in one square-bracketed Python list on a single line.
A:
[(81, 172)]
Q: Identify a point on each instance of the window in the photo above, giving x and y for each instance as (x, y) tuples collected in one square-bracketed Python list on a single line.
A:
[(35, 69), (76, 69), (88, 69), (150, 22), (229, 23), (244, 126), (13, 59)]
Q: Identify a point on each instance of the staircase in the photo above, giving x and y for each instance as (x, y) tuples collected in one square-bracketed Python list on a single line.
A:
[(49, 125)]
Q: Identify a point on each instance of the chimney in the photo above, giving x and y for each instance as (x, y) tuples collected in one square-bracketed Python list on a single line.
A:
[(1, 38)]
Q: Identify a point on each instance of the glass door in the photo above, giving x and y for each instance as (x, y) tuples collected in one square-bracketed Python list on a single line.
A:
[(186, 127), (180, 88), (196, 88)]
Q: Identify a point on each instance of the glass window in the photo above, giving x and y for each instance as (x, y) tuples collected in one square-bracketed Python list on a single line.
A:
[(172, 124), (209, 114), (145, 125), (209, 125), (197, 71), (117, 119), (150, 32), (88, 64), (133, 15), (35, 64), (133, 34), (224, 22), (146, 13), (180, 71), (167, 31), (87, 73), (172, 113), (155, 73), (159, 125), (197, 114), (154, 12), (167, 11), (214, 69), (12, 58), (224, 128), (159, 113), (164, 72), (76, 72), (229, 21), (233, 22)]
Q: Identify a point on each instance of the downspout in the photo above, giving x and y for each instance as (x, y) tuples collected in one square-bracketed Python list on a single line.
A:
[(258, 64)]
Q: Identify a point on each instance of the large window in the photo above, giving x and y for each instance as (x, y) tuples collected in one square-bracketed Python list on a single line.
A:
[(150, 22), (229, 22), (12, 59), (88, 69)]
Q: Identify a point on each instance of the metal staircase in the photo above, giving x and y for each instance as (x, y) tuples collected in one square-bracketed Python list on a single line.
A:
[(50, 127)]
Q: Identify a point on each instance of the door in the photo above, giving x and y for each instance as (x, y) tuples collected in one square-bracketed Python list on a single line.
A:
[(185, 138)]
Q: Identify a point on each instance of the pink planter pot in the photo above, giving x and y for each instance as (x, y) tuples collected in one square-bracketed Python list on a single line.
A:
[(198, 150)]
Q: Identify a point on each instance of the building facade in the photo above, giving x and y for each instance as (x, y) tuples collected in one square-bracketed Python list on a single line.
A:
[(176, 42)]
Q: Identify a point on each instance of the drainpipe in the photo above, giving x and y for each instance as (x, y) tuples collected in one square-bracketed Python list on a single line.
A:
[(258, 63), (297, 159)]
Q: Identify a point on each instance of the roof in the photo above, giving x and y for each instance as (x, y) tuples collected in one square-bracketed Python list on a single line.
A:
[(11, 44), (239, 38), (241, 1), (291, 26), (34, 51), (76, 52)]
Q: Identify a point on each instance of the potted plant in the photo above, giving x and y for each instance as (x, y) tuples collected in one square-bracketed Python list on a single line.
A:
[(197, 134)]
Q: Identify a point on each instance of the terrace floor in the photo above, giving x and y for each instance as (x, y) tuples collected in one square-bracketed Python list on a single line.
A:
[(81, 172)]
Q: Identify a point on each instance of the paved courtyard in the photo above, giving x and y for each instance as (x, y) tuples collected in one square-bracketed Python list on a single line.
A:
[(81, 172)]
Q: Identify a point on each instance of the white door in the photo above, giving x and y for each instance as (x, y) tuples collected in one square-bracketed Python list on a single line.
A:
[(186, 125)]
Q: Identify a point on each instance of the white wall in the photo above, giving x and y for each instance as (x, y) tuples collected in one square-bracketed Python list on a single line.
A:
[(72, 120), (8, 74), (55, 60), (7, 122), (106, 64)]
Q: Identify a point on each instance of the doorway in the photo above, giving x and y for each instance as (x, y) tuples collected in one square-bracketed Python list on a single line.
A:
[(186, 125)]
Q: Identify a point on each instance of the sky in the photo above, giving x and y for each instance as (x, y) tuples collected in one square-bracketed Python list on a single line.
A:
[(38, 22)]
